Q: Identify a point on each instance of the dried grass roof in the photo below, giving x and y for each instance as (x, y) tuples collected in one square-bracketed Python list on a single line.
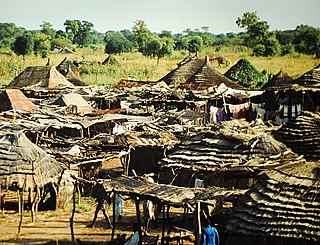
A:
[(302, 134), (40, 77), (129, 83), (168, 194), (206, 77), (310, 79), (285, 202), (224, 149), (281, 80), (19, 158), (18, 101)]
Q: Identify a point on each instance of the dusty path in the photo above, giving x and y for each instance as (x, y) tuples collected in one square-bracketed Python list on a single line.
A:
[(53, 227)]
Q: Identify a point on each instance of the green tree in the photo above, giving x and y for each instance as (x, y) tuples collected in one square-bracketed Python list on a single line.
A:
[(257, 36), (8, 34), (307, 40), (23, 44), (159, 47), (141, 35), (42, 44), (194, 44), (83, 36), (72, 28), (47, 29), (117, 43)]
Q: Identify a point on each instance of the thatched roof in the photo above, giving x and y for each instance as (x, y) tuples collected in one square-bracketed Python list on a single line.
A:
[(205, 77), (20, 158), (66, 65), (129, 83), (302, 134), (281, 80), (310, 79), (40, 77), (111, 60), (70, 71), (284, 203), (14, 99), (147, 138), (186, 68), (168, 194), (222, 151)]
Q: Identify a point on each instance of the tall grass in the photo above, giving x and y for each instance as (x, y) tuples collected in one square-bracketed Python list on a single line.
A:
[(142, 68)]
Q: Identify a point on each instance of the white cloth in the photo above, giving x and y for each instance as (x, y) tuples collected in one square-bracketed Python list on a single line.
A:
[(198, 183), (119, 205), (134, 240)]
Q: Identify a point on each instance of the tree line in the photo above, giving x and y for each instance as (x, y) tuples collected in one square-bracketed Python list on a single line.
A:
[(256, 35)]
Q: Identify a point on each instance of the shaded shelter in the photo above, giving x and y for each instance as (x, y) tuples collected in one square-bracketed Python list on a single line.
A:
[(25, 167)]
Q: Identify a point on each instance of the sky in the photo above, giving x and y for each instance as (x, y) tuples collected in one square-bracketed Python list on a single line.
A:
[(172, 15)]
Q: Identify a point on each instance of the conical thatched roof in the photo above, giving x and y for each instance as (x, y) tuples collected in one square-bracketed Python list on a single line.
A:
[(14, 99), (70, 71), (20, 159), (302, 134), (47, 77), (186, 68), (281, 80), (284, 203), (111, 60), (245, 74), (66, 65), (206, 77), (309, 79)]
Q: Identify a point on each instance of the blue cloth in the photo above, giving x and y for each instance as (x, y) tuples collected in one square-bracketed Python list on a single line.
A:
[(210, 236)]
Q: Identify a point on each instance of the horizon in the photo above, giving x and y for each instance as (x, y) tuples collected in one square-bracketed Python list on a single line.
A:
[(112, 15)]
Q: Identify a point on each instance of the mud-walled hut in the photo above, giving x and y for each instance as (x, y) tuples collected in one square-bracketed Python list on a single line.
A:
[(281, 208)]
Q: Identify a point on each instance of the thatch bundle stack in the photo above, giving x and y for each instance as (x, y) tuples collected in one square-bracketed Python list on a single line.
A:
[(302, 134), (283, 204)]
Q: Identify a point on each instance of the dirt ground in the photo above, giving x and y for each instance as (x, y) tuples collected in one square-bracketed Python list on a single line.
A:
[(53, 227)]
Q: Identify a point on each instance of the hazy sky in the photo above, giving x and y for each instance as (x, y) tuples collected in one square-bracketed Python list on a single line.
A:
[(172, 15)]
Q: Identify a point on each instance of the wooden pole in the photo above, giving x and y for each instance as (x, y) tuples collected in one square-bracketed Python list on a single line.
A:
[(137, 201), (73, 210), (20, 193), (198, 222), (163, 224), (113, 215)]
